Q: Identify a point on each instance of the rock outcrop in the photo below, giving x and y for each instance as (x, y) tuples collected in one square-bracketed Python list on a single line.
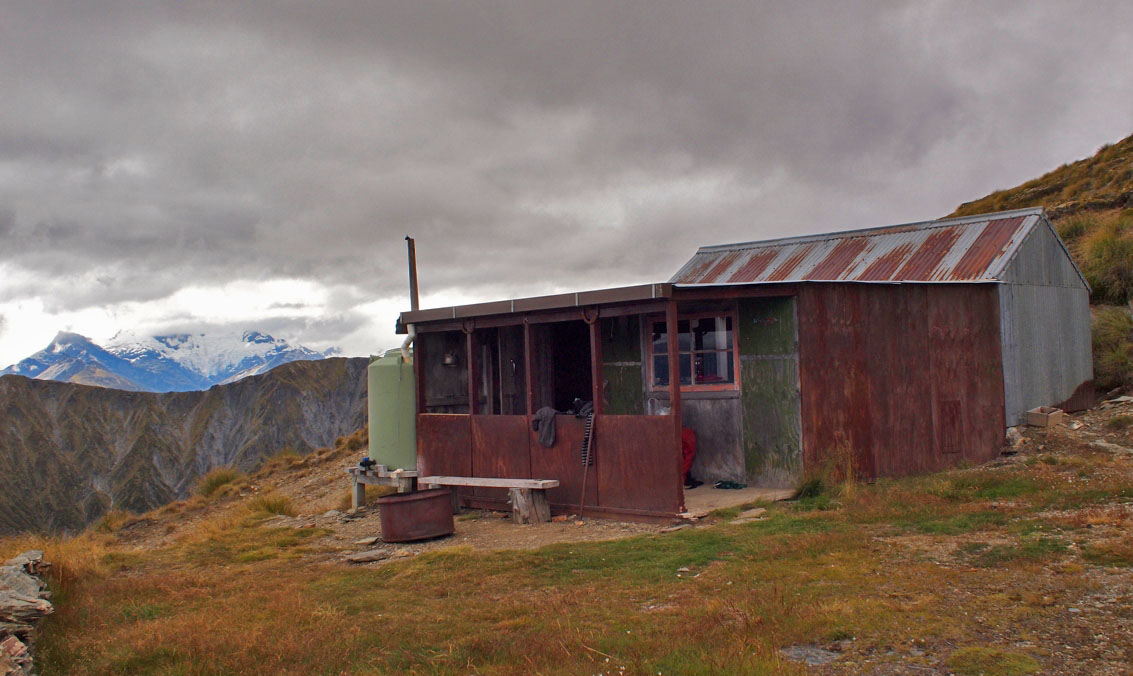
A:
[(24, 601)]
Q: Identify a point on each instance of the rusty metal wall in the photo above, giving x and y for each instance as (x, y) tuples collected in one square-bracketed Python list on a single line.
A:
[(444, 446), (563, 462), (1045, 322), (638, 463), (500, 449), (636, 471), (903, 378)]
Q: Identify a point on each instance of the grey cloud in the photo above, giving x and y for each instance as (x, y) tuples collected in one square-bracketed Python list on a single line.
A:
[(7, 221), (527, 146)]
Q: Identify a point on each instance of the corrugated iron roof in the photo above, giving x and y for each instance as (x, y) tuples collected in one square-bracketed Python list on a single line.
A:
[(970, 249)]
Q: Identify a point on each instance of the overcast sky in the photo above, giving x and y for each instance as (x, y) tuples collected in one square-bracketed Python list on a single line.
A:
[(182, 166)]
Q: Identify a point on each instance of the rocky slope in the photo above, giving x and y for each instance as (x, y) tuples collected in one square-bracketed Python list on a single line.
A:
[(69, 453)]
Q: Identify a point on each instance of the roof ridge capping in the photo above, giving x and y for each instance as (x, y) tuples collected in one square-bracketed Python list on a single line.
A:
[(840, 234)]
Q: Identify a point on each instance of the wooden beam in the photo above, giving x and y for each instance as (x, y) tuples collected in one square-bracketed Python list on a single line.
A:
[(529, 366), (487, 482), (473, 373), (543, 316), (419, 358), (672, 331), (685, 293), (596, 365)]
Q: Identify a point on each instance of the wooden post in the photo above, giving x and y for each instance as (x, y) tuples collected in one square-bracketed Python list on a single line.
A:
[(357, 492), (405, 484), (672, 330), (529, 505), (473, 373), (596, 364), (529, 365), (419, 372)]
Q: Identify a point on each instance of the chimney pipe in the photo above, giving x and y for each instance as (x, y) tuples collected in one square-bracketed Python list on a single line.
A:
[(414, 301)]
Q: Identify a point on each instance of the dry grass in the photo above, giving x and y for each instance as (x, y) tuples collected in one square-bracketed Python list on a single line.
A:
[(210, 483), (270, 503), (1101, 181), (1113, 348), (232, 596)]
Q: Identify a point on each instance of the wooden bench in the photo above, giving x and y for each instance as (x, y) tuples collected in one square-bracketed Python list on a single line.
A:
[(378, 475), (528, 497)]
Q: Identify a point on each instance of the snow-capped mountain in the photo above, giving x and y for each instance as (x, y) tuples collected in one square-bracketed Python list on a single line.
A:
[(169, 363)]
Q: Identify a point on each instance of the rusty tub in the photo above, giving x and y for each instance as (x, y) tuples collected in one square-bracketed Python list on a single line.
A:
[(416, 516)]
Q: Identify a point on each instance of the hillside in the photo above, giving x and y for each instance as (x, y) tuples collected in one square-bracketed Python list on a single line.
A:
[(1090, 203), (69, 453), (1099, 183), (1016, 567)]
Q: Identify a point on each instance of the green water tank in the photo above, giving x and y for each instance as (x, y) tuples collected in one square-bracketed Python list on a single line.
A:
[(392, 399)]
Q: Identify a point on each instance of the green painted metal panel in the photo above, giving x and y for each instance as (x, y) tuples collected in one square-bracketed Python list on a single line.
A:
[(392, 403), (767, 326), (769, 385), (621, 365), (772, 445), (624, 393)]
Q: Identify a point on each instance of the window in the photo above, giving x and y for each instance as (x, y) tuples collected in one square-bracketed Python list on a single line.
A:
[(706, 349)]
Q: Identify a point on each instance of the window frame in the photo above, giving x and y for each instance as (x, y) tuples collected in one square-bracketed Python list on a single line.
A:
[(647, 334)]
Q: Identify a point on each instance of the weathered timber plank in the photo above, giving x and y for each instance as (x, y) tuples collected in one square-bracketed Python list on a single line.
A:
[(488, 482)]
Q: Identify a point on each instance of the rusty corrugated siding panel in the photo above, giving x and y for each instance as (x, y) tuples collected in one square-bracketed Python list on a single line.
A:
[(907, 378), (968, 249)]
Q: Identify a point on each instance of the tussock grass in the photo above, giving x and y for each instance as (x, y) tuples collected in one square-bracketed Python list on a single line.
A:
[(286, 458), (113, 520), (1116, 551), (270, 503), (1105, 255), (214, 480), (1113, 348)]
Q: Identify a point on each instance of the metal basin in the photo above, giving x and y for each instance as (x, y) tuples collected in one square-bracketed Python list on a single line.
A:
[(416, 516)]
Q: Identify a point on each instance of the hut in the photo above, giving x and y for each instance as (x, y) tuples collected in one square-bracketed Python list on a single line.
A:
[(892, 350)]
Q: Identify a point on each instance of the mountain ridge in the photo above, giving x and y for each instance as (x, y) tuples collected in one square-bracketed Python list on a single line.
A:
[(69, 452), (164, 363)]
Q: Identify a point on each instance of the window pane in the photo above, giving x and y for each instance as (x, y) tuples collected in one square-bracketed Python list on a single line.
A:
[(712, 333), (715, 367), (686, 369), (660, 371), (660, 338)]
